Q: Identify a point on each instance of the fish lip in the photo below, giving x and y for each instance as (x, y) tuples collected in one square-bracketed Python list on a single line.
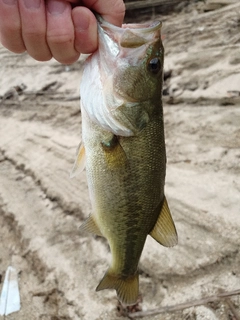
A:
[(146, 27)]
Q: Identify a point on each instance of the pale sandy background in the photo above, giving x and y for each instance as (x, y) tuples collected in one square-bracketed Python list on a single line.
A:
[(41, 208)]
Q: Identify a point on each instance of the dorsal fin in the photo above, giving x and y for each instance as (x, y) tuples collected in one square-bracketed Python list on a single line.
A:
[(79, 163), (164, 230)]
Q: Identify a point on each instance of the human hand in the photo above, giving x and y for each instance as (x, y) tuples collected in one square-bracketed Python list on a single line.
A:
[(62, 29)]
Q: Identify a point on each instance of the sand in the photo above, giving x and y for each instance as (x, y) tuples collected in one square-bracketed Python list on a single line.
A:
[(41, 208)]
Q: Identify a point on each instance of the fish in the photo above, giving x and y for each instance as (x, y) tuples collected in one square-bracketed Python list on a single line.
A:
[(123, 149)]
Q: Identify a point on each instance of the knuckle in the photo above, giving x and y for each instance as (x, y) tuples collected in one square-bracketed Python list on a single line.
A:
[(34, 34), (60, 39)]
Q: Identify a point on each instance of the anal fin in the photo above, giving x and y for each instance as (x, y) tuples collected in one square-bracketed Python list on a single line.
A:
[(90, 226), (127, 288), (164, 230), (79, 163)]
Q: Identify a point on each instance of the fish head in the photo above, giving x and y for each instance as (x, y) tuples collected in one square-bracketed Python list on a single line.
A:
[(133, 55), (127, 73)]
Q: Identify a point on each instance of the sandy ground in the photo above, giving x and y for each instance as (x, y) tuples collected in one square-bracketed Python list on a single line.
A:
[(41, 208)]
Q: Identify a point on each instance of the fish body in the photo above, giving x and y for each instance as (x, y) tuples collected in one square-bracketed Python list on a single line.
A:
[(124, 149)]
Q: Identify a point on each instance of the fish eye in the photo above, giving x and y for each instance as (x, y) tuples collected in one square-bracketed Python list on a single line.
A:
[(154, 65)]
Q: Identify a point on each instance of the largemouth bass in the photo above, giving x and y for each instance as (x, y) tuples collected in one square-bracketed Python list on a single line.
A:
[(124, 149)]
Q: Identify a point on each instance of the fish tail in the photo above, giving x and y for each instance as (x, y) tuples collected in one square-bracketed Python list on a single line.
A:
[(126, 287)]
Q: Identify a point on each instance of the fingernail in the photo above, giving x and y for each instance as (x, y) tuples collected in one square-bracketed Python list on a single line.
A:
[(82, 24), (56, 7), (10, 2), (32, 4)]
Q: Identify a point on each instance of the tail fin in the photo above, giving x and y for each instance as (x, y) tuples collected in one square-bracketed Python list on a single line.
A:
[(126, 287)]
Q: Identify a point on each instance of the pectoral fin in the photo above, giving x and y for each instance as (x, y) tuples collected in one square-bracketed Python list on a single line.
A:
[(91, 226), (164, 230), (114, 153), (79, 164)]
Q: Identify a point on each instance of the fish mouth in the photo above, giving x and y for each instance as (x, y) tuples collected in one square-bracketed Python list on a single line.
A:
[(146, 27), (129, 35)]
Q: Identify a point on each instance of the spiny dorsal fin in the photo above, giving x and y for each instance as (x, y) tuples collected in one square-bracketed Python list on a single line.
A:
[(79, 163), (91, 226), (164, 230), (126, 287)]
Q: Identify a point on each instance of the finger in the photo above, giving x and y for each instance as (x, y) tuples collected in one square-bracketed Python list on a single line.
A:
[(34, 27), (112, 11), (60, 31), (10, 26), (85, 25)]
